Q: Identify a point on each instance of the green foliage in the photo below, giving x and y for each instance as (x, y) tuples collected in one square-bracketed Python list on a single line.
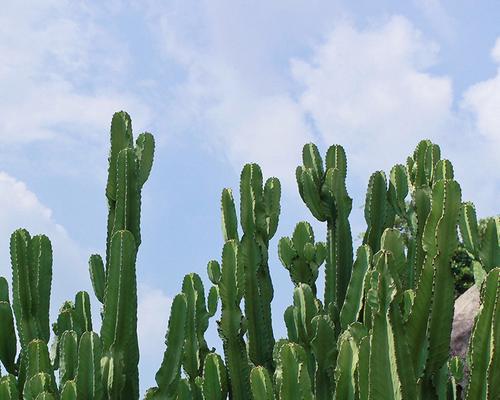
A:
[(381, 329)]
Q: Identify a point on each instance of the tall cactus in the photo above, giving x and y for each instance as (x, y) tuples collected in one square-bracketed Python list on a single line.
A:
[(129, 168), (31, 260), (382, 331), (324, 192), (231, 323), (484, 353), (259, 210)]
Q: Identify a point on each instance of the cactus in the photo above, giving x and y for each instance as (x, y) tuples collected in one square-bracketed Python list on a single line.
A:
[(89, 367), (325, 194), (259, 211), (8, 342), (195, 346), (88, 374), (230, 325), (214, 378), (484, 357), (382, 330), (301, 256)]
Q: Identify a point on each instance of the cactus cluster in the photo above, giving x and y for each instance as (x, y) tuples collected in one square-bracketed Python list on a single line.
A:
[(79, 363), (381, 329)]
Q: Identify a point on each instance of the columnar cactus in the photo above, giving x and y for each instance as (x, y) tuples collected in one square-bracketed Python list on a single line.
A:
[(380, 331), (324, 192), (90, 367)]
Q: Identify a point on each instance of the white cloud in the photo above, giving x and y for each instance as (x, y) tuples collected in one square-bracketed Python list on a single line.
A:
[(368, 89), (483, 99), (59, 73), (371, 90), (20, 208)]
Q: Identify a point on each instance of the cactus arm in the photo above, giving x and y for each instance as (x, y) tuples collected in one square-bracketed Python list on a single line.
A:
[(398, 189), (375, 210), (261, 384), (144, 151), (36, 385), (312, 160), (83, 314), (346, 365), (259, 219), (490, 245), (342, 259), (383, 376), (480, 350), (229, 218), (127, 209), (231, 289), (88, 375), (468, 227), (443, 170), (120, 313), (195, 347), (416, 325), (355, 291), (113, 374), (121, 279), (168, 376), (422, 200), (41, 278), (8, 342), (4, 289), (494, 366), (68, 360), (214, 378), (336, 158), (38, 362), (271, 199), (184, 391), (8, 388), (294, 380), (121, 138), (310, 194), (251, 176), (392, 241), (441, 317), (363, 372), (97, 276), (301, 256), (405, 369), (419, 316), (258, 343), (330, 273), (21, 287), (69, 391), (324, 354)]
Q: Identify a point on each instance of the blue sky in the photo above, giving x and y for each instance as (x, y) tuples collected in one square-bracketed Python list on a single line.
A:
[(222, 83)]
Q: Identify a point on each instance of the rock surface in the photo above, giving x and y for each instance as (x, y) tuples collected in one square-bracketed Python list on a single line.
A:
[(466, 309)]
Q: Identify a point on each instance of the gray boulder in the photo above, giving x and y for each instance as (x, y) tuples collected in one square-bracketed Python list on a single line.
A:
[(466, 309)]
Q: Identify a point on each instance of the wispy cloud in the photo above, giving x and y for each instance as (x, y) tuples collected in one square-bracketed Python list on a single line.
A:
[(365, 88), (61, 73)]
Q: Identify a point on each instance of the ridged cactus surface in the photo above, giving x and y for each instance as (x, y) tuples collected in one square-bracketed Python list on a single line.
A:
[(380, 330)]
